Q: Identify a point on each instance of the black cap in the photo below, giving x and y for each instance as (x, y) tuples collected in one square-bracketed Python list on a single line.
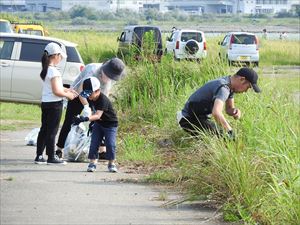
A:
[(114, 68), (250, 76)]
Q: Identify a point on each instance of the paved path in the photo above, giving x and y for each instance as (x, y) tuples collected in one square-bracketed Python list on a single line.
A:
[(46, 194)]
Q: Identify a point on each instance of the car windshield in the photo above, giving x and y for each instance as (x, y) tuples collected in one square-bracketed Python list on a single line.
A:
[(185, 36), (243, 39)]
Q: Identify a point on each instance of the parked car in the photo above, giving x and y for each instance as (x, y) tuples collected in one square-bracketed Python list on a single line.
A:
[(240, 47), (187, 44), (20, 65), (5, 26), (134, 40), (29, 28)]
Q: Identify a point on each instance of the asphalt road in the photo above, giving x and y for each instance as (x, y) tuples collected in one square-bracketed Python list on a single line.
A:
[(46, 194)]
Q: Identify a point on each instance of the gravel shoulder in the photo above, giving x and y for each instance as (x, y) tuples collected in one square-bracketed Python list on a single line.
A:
[(44, 194)]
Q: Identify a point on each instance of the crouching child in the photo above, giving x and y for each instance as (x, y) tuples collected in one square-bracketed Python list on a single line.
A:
[(105, 124)]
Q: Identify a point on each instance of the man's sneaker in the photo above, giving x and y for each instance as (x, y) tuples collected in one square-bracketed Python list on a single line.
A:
[(102, 155), (112, 168), (91, 167), (39, 160), (56, 161), (58, 152)]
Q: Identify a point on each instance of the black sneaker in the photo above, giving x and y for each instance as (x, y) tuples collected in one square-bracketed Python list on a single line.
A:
[(56, 161), (39, 160), (59, 153)]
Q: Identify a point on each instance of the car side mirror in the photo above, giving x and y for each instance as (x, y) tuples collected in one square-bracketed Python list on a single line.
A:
[(219, 43), (118, 38), (168, 39)]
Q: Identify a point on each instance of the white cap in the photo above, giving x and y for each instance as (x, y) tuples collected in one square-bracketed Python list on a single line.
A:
[(53, 48), (89, 86)]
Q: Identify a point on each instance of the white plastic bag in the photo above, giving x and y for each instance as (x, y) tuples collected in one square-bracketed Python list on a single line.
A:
[(77, 144), (31, 137)]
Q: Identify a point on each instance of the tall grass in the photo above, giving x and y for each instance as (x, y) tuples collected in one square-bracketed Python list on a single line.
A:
[(280, 52), (259, 173)]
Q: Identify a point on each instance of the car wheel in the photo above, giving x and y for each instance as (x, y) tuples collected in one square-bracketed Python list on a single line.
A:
[(191, 47)]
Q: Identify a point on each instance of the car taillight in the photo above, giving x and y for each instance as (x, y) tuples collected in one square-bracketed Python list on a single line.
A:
[(231, 41), (177, 45), (81, 68), (204, 45), (256, 42)]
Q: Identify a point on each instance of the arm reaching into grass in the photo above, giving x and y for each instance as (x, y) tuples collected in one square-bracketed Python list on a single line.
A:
[(218, 114)]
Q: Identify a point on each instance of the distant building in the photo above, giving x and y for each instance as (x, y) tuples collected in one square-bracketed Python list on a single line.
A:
[(189, 6), (12, 5)]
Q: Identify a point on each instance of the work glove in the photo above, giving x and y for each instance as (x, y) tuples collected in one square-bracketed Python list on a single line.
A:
[(78, 119), (231, 135), (86, 111)]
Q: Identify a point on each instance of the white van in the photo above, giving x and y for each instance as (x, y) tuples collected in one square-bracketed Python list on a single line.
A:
[(20, 66), (240, 47)]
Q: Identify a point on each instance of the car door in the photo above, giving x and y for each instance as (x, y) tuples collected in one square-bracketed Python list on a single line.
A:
[(170, 43), (7, 56), (224, 47), (26, 82), (123, 48)]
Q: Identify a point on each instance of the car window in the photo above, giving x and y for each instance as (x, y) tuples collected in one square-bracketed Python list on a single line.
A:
[(185, 36), (244, 39), (73, 55), (225, 40), (6, 48), (122, 37), (32, 51), (5, 27), (139, 33), (34, 32)]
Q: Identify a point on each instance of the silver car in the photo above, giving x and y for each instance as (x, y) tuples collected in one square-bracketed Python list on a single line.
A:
[(240, 47), (20, 66)]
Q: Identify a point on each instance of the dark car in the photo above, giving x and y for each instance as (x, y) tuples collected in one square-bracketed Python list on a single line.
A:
[(140, 41)]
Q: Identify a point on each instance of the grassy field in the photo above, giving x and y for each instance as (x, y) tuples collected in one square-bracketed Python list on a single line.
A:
[(255, 179)]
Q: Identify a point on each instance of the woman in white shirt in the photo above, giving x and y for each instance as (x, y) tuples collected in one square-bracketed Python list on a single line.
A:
[(52, 104)]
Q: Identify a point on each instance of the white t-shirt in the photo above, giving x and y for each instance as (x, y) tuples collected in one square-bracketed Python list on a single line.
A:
[(47, 93)]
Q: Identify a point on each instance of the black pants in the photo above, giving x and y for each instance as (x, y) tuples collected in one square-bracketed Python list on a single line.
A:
[(51, 115), (74, 108), (193, 126)]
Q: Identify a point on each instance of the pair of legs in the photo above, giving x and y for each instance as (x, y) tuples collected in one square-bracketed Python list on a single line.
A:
[(110, 135), (203, 123), (51, 115)]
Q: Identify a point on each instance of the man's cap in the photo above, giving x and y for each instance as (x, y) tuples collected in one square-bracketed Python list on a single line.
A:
[(250, 76), (114, 68), (53, 49), (89, 86)]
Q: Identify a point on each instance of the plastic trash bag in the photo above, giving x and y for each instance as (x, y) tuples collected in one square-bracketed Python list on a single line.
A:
[(31, 137), (77, 144)]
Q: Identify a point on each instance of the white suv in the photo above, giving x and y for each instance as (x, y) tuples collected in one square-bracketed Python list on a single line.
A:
[(240, 47), (187, 44), (20, 66)]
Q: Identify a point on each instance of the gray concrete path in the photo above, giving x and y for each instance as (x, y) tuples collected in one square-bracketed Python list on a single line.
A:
[(46, 194)]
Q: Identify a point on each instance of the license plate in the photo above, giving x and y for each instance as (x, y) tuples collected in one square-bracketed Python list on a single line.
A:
[(244, 58)]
